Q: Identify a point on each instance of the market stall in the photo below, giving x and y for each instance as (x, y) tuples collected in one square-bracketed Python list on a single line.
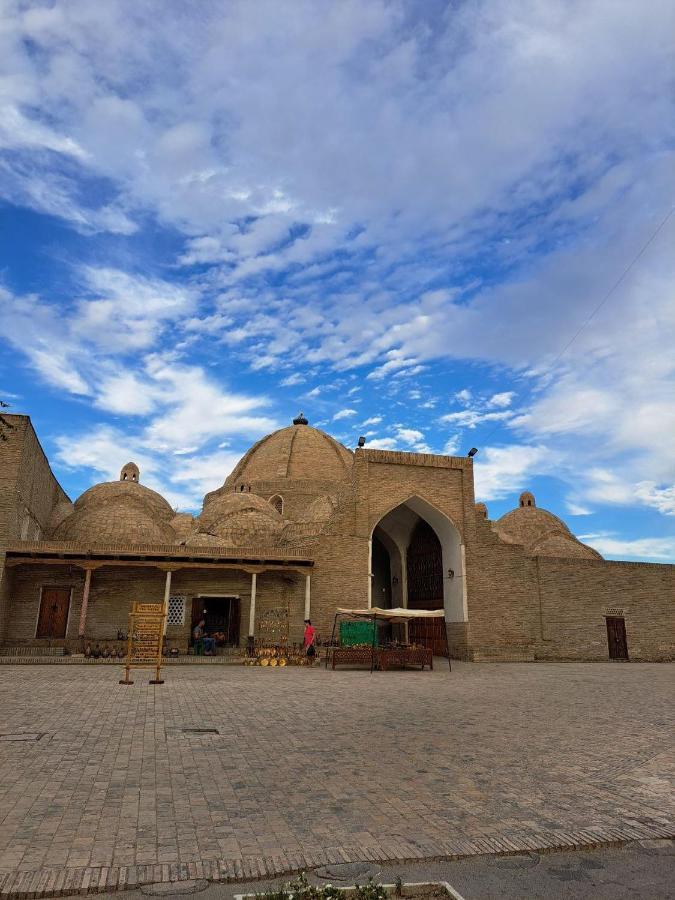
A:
[(362, 646)]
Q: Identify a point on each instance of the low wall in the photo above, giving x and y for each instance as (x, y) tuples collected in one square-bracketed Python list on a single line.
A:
[(576, 595)]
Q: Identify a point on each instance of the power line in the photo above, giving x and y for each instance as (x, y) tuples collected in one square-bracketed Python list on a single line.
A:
[(604, 300)]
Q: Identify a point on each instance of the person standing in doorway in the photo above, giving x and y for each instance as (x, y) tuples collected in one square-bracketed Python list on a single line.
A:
[(309, 642)]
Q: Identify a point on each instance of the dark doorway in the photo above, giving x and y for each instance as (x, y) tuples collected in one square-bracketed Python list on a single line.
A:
[(54, 608), (381, 569), (425, 587), (616, 637), (221, 617)]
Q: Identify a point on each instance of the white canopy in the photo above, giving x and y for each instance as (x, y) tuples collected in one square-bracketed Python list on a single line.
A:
[(399, 612)]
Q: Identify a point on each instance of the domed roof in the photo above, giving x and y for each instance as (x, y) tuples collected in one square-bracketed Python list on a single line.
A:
[(118, 512), (236, 520), (223, 504), (558, 544), (540, 531), (298, 452)]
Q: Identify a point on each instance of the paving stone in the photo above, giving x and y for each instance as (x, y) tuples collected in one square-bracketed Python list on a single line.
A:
[(315, 768)]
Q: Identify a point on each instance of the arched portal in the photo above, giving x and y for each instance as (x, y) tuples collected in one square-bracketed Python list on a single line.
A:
[(426, 560)]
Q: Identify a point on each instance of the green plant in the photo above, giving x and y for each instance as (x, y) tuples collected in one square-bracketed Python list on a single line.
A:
[(371, 890), (301, 889)]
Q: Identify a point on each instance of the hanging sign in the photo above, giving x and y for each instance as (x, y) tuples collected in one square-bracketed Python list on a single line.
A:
[(146, 636)]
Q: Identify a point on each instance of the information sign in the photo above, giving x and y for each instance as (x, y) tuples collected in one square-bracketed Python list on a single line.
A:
[(146, 634)]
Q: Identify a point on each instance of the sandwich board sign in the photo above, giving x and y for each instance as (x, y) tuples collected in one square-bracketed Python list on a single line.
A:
[(144, 643)]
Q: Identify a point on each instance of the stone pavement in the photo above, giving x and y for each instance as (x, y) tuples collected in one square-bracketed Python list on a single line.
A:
[(309, 767)]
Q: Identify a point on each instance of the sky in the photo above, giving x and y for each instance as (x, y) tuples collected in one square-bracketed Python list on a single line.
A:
[(440, 225)]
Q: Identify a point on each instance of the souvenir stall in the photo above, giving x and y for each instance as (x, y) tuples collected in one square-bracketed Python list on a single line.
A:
[(359, 638)]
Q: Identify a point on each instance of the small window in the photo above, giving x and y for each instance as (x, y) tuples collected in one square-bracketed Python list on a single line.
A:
[(278, 503), (176, 614)]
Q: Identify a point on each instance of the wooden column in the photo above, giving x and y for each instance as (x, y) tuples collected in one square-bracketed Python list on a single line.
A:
[(251, 614), (167, 594), (85, 604), (308, 596)]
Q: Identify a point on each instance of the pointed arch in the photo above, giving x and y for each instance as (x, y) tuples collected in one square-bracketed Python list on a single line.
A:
[(398, 523)]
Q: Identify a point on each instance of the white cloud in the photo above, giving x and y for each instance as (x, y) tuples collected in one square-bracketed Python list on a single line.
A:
[(661, 498), (373, 420), (610, 546), (451, 446), (501, 471), (344, 414), (409, 435), (502, 399), (577, 509), (556, 168), (383, 444), (469, 418), (127, 393), (291, 380)]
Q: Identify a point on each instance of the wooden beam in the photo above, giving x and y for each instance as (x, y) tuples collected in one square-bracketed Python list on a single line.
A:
[(179, 564)]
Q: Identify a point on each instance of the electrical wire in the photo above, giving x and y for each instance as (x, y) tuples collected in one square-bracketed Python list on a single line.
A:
[(604, 300)]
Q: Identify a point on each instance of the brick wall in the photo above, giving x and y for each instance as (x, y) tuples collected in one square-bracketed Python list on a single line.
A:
[(28, 494), (576, 594)]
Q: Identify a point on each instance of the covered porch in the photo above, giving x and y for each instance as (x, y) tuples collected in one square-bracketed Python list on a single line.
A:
[(67, 595)]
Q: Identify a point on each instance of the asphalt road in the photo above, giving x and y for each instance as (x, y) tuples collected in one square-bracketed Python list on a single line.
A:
[(640, 871)]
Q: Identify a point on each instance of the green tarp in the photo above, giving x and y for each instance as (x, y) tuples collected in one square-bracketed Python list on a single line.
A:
[(356, 632)]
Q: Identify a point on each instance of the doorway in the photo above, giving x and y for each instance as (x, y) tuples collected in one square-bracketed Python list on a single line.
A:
[(616, 637), (53, 616), (221, 619)]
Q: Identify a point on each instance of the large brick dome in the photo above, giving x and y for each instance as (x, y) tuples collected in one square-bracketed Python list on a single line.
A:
[(298, 452)]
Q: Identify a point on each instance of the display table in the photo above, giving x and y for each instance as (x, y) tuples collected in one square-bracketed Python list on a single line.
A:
[(352, 656), (383, 658), (401, 658)]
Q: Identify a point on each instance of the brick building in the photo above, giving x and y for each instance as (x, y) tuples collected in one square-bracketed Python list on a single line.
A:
[(304, 525)]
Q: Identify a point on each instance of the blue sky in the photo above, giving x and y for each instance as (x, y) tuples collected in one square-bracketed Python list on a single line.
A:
[(393, 216)]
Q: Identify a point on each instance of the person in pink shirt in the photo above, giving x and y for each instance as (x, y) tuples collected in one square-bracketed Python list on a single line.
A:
[(309, 639)]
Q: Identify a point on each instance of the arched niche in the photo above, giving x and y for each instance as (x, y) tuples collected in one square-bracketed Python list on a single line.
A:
[(399, 525)]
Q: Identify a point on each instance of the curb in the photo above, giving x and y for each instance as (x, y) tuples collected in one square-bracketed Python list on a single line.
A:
[(64, 882)]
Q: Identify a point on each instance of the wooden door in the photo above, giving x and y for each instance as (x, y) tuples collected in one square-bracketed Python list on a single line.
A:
[(616, 637), (53, 618)]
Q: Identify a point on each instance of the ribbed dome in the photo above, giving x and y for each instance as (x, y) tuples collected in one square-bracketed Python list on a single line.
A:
[(298, 452), (118, 512), (540, 531), (222, 504), (236, 519)]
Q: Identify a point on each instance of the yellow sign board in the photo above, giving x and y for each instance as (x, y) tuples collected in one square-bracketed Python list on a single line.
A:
[(146, 635)]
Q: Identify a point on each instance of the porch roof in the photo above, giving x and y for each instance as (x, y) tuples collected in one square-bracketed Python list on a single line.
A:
[(158, 555)]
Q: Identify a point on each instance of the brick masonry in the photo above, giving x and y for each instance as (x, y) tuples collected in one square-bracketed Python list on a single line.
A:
[(517, 606), (313, 766)]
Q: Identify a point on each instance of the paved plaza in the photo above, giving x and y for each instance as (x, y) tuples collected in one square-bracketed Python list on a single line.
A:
[(308, 766)]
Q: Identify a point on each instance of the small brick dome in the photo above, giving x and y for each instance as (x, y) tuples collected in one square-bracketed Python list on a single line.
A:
[(236, 519), (540, 531)]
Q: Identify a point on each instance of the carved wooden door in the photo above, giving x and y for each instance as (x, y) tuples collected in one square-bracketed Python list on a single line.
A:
[(53, 618)]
